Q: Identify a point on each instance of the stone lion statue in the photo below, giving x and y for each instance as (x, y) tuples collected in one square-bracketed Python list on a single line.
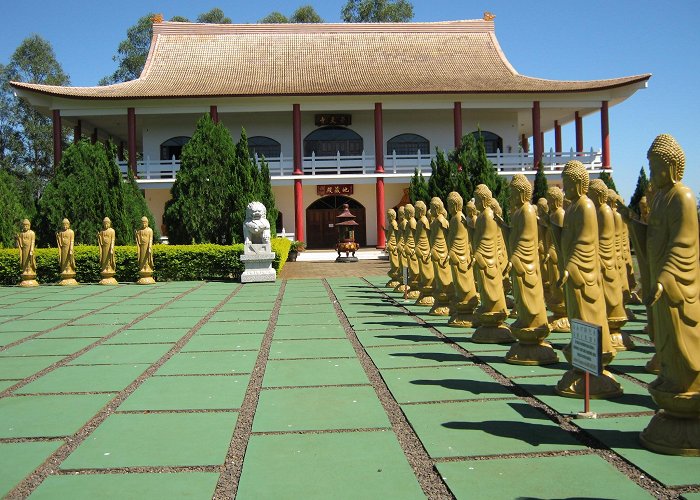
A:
[(256, 228)]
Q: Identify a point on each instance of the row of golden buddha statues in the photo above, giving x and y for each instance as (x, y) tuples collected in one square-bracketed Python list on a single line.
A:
[(569, 253), (65, 241)]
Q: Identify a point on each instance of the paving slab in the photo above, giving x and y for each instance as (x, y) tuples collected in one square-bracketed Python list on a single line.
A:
[(165, 322), (413, 355), (106, 319), (209, 363), (72, 331), (234, 327), (235, 316), (314, 348), (117, 354), (10, 337), (100, 378), (539, 477), (224, 342), (311, 318), (498, 362), (48, 347), (622, 435), (131, 440), (633, 368), (404, 336), (313, 372), (47, 416), (215, 392), (18, 460), (445, 383), (191, 485), (25, 366), (304, 409), (485, 428), (31, 326), (320, 466), (309, 332), (159, 336)]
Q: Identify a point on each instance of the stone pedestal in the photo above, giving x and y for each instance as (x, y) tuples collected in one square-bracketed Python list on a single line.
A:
[(28, 279), (108, 278), (68, 279), (258, 259)]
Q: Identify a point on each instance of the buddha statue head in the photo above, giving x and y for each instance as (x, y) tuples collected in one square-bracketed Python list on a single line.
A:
[(454, 203), (65, 224), (409, 211), (482, 197), (106, 223), (144, 222), (575, 180), (391, 215), (470, 209), (643, 209), (555, 198), (598, 192), (520, 191), (496, 207), (613, 198), (26, 225), (401, 215), (666, 161), (437, 208), (542, 207), (421, 209)]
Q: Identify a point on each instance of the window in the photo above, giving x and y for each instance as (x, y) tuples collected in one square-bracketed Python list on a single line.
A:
[(173, 147), (329, 141), (492, 142), (408, 144), (264, 146)]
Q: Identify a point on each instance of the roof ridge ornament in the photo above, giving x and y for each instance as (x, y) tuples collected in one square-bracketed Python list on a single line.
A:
[(157, 18), (489, 16)]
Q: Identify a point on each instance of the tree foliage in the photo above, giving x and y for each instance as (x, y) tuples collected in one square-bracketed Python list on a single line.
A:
[(216, 181), (87, 187), (640, 190), (304, 14), (608, 180), (418, 188), (132, 52), (274, 17), (377, 11), (26, 136), (11, 209), (541, 186)]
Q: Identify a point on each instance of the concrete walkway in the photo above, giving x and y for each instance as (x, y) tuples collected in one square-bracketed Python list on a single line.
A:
[(303, 388)]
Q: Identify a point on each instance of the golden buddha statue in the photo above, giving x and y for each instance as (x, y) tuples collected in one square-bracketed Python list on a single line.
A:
[(65, 241), (391, 230), (503, 259), (492, 311), (465, 298), (669, 250), (409, 252), (558, 321), (144, 243), (425, 263), (401, 223), (106, 240), (531, 326), (612, 289), (26, 242), (439, 251), (543, 241), (643, 209), (580, 277)]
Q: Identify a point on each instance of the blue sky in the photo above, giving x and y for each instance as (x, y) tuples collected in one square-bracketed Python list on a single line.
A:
[(557, 39)]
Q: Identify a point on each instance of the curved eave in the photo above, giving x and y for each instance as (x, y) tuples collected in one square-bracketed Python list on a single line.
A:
[(106, 92)]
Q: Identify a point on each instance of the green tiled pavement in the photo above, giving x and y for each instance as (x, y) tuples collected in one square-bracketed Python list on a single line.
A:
[(99, 378), (48, 347), (116, 354), (413, 355), (305, 372), (209, 363), (325, 348), (20, 459), (230, 342)]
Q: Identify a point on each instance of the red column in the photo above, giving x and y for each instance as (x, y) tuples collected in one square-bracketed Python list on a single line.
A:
[(605, 134), (131, 139), (536, 133), (557, 136), (457, 119), (524, 143), (379, 169), (579, 132), (56, 121), (214, 113), (298, 170), (77, 132)]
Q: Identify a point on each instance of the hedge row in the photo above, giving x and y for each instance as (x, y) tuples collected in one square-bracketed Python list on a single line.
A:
[(172, 263)]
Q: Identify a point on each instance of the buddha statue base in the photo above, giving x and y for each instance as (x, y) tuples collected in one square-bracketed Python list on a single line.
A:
[(145, 278), (28, 280), (653, 365), (108, 279), (68, 279), (572, 385), (492, 329), (441, 306), (392, 283), (461, 320), (531, 348), (400, 288), (621, 341), (412, 293), (675, 429), (425, 297), (559, 324)]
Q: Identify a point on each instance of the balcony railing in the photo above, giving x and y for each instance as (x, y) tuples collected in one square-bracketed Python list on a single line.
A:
[(403, 165)]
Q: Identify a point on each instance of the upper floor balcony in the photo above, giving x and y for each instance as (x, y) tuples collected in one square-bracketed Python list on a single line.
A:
[(163, 172)]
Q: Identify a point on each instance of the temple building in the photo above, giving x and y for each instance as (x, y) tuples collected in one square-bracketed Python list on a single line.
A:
[(343, 113)]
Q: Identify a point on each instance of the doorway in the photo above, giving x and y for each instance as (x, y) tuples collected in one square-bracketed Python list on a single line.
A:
[(321, 218)]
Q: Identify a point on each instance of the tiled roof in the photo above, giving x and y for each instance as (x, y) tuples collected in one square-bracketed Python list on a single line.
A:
[(197, 60)]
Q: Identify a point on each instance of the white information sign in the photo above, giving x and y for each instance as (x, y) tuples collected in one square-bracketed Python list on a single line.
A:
[(586, 347)]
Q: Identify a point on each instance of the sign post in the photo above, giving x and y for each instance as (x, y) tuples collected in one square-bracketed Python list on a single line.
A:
[(587, 355), (405, 283)]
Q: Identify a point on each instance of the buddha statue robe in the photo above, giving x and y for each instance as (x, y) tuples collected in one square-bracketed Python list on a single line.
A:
[(439, 256), (465, 297)]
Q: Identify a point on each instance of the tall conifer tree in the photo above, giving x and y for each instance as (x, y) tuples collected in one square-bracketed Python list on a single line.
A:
[(640, 190)]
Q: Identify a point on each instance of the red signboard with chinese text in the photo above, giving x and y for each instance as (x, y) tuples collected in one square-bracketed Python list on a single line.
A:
[(326, 189)]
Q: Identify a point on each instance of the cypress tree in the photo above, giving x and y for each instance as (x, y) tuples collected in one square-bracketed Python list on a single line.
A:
[(201, 204), (640, 190), (418, 188), (541, 186), (481, 171), (11, 209), (443, 179), (608, 180), (267, 197)]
